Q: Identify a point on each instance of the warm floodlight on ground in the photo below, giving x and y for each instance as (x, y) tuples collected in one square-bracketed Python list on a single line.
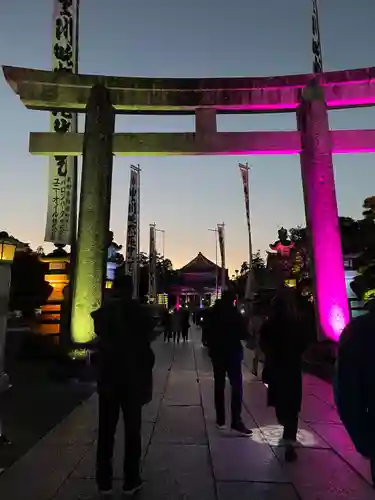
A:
[(273, 435)]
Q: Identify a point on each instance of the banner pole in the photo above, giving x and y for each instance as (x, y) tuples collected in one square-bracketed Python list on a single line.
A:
[(245, 169), (221, 235), (138, 232), (316, 43)]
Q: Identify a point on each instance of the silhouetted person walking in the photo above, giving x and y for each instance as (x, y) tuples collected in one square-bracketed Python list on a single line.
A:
[(355, 383), (283, 341), (167, 320), (225, 330), (185, 324), (124, 362), (176, 325)]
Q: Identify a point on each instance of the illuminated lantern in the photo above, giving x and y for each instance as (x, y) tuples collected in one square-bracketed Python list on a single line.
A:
[(7, 251), (58, 277)]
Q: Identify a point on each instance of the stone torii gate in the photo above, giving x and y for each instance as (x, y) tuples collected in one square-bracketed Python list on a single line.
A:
[(309, 96)]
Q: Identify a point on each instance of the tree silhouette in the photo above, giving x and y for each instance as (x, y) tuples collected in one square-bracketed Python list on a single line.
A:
[(240, 277), (29, 290), (165, 274)]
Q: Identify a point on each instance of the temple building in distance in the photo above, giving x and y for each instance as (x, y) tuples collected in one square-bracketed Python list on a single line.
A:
[(198, 283)]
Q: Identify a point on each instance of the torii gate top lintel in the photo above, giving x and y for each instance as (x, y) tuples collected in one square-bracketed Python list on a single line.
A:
[(48, 90)]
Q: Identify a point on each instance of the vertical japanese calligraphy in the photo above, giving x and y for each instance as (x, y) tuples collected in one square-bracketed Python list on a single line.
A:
[(152, 266), (61, 213), (132, 236), (316, 46)]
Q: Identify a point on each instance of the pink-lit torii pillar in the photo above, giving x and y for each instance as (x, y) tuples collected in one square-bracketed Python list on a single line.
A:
[(331, 302)]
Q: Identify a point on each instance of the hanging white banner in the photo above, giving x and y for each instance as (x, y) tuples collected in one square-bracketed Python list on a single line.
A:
[(62, 183), (152, 265)]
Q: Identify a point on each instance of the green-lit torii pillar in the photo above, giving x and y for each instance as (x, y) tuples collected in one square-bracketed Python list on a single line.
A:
[(94, 213)]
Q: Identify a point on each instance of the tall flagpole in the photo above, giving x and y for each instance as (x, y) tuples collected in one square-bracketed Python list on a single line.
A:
[(245, 170), (137, 275), (250, 280), (316, 45), (221, 235)]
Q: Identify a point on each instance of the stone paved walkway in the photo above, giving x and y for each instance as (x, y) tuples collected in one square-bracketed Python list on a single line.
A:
[(185, 457)]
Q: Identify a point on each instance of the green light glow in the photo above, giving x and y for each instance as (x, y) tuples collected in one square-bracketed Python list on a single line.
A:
[(370, 294), (87, 298), (76, 354)]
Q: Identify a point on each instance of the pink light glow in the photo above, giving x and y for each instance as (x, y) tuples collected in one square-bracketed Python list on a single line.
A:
[(282, 106), (259, 152), (343, 142), (322, 215), (337, 320)]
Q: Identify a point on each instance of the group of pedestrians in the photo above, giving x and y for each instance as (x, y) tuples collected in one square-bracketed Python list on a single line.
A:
[(280, 335), (125, 361), (176, 325)]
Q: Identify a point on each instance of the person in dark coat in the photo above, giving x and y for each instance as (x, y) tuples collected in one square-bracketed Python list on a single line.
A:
[(283, 341), (354, 383), (225, 329), (185, 324), (124, 362), (176, 325), (167, 319), (203, 324)]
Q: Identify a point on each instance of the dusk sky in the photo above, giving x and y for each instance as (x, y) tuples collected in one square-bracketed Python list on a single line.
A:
[(187, 195)]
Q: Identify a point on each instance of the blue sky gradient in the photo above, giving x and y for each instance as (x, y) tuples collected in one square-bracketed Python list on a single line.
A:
[(186, 196)]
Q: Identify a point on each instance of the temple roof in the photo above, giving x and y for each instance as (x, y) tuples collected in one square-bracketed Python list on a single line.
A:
[(200, 264)]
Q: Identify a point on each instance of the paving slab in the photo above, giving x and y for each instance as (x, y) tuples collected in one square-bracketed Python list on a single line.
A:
[(322, 474), (315, 410), (184, 356), (256, 491), (151, 410), (182, 389), (82, 489), (244, 459), (79, 427), (41, 472), (181, 425), (320, 388), (160, 379), (178, 472), (338, 439)]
